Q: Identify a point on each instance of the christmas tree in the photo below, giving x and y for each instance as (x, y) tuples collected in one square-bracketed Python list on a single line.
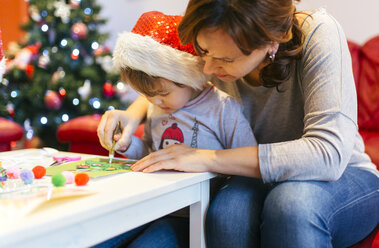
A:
[(62, 71)]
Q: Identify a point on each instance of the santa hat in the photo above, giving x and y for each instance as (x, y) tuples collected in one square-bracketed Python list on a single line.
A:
[(153, 46), (2, 59)]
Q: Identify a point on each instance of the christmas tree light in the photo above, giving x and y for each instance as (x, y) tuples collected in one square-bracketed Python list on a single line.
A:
[(62, 71)]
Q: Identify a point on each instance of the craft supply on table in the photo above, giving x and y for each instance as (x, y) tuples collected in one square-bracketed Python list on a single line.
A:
[(27, 176), (23, 183), (3, 175), (66, 159), (58, 180), (14, 180), (24, 187), (81, 179), (39, 171), (13, 172), (14, 205), (94, 167), (69, 176), (111, 151), (28, 158)]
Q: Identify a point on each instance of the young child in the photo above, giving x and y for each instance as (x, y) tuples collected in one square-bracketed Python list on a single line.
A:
[(184, 107)]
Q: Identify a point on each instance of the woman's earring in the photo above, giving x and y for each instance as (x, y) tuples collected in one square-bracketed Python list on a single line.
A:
[(272, 57)]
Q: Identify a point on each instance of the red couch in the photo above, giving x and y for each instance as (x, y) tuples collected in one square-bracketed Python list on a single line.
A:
[(365, 60), (366, 73), (81, 132), (9, 131)]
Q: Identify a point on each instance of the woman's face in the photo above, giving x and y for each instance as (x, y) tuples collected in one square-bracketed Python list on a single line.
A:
[(224, 59)]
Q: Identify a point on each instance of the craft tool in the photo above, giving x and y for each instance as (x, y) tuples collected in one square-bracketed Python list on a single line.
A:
[(111, 151), (61, 160)]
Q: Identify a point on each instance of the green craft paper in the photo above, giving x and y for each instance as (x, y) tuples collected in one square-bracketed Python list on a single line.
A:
[(92, 172)]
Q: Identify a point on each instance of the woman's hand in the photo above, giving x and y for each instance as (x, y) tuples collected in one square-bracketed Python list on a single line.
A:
[(241, 161), (107, 125), (176, 157)]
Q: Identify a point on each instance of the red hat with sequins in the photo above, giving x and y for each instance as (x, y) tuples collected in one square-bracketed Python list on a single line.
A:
[(153, 46), (2, 59)]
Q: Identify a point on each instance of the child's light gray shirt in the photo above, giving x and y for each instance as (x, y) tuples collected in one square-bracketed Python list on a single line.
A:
[(213, 120)]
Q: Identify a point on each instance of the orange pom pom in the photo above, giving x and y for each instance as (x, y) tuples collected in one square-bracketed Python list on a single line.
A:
[(39, 171), (81, 179)]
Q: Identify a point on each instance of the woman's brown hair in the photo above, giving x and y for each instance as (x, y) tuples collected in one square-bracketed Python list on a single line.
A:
[(252, 24)]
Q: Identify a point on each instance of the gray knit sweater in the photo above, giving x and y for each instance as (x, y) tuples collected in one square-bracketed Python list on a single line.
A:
[(309, 131)]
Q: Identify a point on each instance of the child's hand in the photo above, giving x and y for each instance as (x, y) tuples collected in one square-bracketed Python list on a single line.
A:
[(121, 148), (176, 157), (109, 122), (129, 120)]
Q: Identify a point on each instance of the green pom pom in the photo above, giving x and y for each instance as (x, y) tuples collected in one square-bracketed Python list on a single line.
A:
[(58, 180)]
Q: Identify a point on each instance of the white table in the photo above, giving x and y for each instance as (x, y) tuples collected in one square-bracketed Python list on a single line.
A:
[(123, 202)]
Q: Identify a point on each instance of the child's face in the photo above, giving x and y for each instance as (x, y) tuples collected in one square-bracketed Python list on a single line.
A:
[(172, 97)]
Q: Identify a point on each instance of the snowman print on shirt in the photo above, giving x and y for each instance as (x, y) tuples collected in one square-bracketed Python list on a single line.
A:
[(172, 135)]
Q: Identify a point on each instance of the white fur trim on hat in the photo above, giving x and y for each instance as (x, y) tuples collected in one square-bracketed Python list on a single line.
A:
[(145, 54), (2, 68)]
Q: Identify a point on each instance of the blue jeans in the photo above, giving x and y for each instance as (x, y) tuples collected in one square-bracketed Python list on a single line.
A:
[(167, 232), (248, 213)]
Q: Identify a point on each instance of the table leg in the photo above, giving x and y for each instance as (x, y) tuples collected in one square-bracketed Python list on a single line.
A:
[(197, 217)]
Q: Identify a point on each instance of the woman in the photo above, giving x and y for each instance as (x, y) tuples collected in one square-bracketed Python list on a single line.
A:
[(308, 183)]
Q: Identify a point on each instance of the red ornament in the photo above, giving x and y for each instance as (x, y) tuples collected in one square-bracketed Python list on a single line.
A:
[(74, 4), (52, 100), (79, 30), (39, 171), (10, 109), (12, 112), (24, 57), (74, 56), (102, 49), (108, 90), (29, 71), (34, 142), (81, 179), (62, 93)]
